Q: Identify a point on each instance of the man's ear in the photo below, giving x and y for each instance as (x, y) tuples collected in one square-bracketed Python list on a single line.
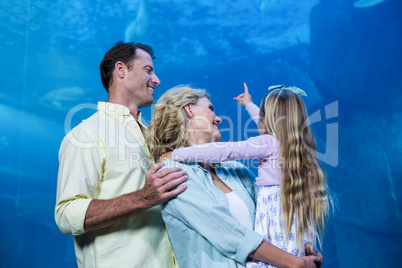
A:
[(120, 68), (187, 108)]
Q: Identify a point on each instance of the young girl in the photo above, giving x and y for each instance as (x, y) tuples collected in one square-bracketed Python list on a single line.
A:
[(292, 202)]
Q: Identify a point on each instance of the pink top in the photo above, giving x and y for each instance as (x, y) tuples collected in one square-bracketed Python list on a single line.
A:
[(264, 147)]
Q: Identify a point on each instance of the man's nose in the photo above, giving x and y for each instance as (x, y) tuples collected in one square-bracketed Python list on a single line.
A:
[(155, 80)]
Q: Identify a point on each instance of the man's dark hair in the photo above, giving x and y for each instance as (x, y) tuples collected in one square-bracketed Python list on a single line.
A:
[(124, 52)]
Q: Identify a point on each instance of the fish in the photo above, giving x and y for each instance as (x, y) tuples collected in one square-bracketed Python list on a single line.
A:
[(266, 5), (58, 96), (139, 27), (367, 3)]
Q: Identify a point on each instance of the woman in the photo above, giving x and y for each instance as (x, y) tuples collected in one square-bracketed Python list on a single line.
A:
[(210, 224)]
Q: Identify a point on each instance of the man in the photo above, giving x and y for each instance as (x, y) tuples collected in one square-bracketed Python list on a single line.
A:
[(108, 192)]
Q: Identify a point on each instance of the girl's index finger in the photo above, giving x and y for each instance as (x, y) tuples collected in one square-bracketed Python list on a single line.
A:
[(245, 88)]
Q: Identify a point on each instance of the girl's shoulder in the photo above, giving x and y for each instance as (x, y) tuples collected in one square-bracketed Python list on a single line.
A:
[(266, 140), (269, 137)]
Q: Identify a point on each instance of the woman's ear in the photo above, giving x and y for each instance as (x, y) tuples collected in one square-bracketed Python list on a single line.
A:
[(187, 108)]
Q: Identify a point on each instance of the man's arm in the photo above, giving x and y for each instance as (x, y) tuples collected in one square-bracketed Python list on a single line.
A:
[(80, 172), (159, 187)]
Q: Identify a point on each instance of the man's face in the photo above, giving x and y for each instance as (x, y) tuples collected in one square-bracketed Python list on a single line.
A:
[(141, 80)]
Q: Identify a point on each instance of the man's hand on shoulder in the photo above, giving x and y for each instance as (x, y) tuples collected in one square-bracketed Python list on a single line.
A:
[(162, 185)]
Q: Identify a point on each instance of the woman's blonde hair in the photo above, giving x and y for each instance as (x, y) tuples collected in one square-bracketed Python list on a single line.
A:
[(304, 191), (167, 129)]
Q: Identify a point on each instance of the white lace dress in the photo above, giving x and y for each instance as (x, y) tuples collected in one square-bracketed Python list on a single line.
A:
[(269, 223)]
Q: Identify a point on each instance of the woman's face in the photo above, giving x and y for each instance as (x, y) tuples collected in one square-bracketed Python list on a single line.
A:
[(204, 123)]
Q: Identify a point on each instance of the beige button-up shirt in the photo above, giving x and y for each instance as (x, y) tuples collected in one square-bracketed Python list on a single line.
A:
[(102, 158)]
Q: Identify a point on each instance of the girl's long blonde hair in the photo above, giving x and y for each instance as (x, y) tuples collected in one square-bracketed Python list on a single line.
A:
[(167, 129), (304, 191)]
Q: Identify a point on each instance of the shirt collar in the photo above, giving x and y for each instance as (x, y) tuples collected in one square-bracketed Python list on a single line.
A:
[(113, 109), (117, 111)]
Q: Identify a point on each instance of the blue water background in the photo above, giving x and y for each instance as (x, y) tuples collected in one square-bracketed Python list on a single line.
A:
[(347, 56)]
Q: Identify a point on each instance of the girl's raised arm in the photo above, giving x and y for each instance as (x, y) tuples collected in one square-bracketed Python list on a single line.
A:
[(263, 146), (246, 100)]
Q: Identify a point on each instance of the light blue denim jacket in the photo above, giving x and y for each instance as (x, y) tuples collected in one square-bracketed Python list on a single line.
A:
[(201, 230)]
